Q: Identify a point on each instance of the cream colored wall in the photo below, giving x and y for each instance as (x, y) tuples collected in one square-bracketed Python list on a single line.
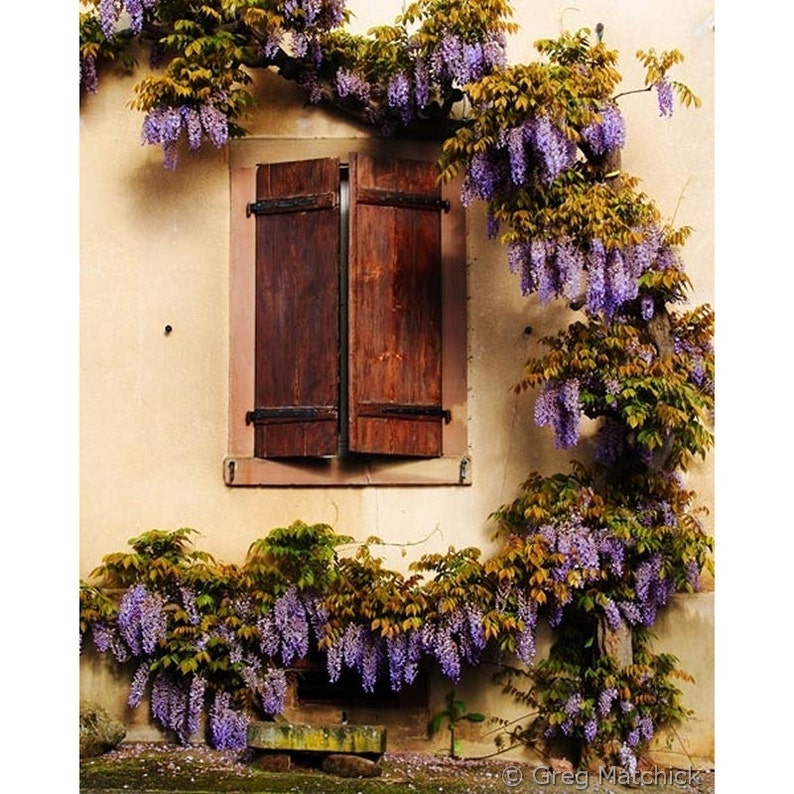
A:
[(154, 251)]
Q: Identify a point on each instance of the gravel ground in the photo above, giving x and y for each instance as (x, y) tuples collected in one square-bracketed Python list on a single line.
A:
[(140, 768)]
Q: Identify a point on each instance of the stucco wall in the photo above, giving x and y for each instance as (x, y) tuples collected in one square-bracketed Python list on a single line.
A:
[(155, 251)]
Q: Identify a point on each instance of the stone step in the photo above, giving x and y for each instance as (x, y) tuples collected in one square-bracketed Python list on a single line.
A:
[(358, 739)]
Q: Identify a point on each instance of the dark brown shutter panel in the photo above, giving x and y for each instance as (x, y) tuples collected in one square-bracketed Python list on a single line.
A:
[(295, 412), (395, 308)]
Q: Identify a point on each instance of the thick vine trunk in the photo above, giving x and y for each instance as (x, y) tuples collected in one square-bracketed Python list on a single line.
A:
[(615, 643)]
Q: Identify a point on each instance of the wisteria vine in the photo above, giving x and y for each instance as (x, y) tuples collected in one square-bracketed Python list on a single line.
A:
[(411, 71), (209, 638), (605, 545)]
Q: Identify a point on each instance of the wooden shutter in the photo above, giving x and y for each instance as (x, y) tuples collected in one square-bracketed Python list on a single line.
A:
[(395, 308), (297, 309)]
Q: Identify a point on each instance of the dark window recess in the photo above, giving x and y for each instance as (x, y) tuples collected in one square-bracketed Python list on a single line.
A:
[(313, 686), (348, 309)]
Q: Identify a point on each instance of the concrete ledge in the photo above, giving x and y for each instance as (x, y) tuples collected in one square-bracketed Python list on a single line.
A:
[(317, 738)]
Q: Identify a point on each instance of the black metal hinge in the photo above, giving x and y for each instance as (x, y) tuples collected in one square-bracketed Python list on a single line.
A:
[(290, 413), (393, 198), (275, 206), (397, 411)]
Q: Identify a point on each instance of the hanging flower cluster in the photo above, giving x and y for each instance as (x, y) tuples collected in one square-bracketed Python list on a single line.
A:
[(654, 397), (166, 126), (412, 70), (110, 12), (455, 60), (221, 639), (610, 711)]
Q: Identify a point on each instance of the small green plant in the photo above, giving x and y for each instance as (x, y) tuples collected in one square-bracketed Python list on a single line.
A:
[(454, 713)]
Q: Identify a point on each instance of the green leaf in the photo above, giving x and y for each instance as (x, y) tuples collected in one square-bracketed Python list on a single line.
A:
[(437, 721)]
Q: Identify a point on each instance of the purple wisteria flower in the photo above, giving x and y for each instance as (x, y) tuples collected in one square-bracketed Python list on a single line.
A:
[(612, 390), (605, 700), (334, 661), (653, 589), (541, 270), (404, 652), (641, 256), (645, 728), (177, 703), (351, 84), (607, 134), (596, 276), (494, 50), (525, 641), (110, 12), (314, 15), (612, 552), (557, 406), (693, 575), (312, 87), (698, 373), (628, 759), (664, 96), (89, 80), (581, 548), (515, 140), (573, 705), (227, 726), (471, 632), (555, 613), (668, 257), (557, 151), (271, 44), (250, 666), (569, 261), (545, 267), (461, 62), (215, 123), (141, 620), (188, 596), (518, 262), (165, 125), (299, 42), (613, 274), (353, 645), (590, 730), (372, 660), (630, 611), (285, 629), (612, 614), (438, 641), (361, 650), (421, 83), (273, 690), (399, 96), (138, 685), (610, 441), (484, 178), (620, 286), (106, 639)]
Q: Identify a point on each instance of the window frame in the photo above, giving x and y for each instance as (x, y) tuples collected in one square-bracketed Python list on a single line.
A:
[(240, 466)]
